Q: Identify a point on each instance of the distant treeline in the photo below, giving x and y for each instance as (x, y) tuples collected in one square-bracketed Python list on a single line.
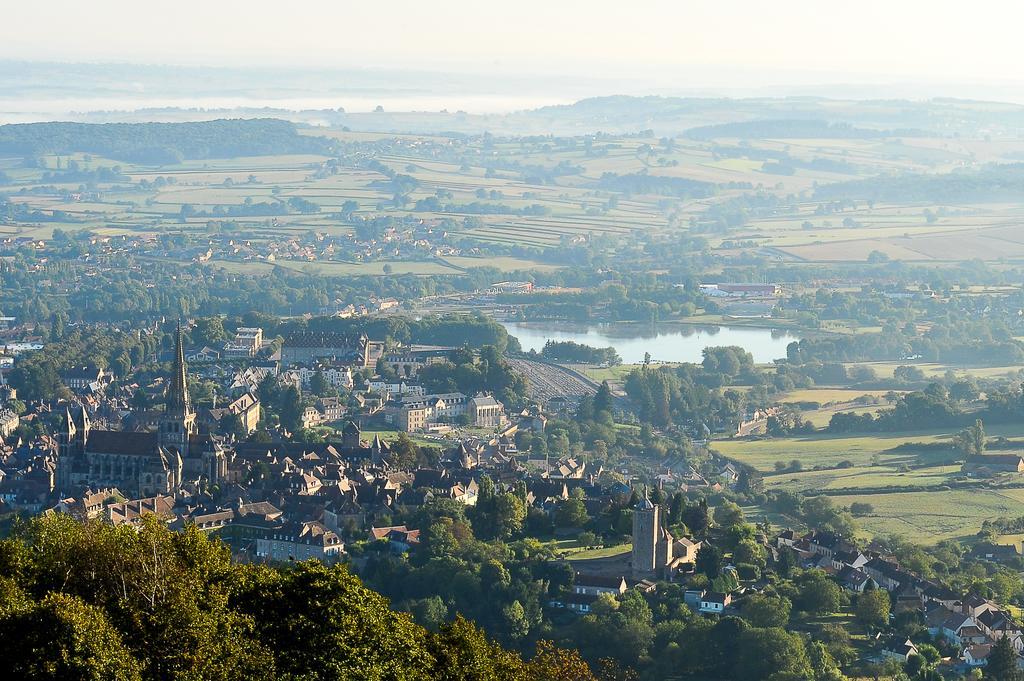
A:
[(996, 182), (793, 128), (569, 351), (640, 183), (160, 143), (780, 162), (455, 330)]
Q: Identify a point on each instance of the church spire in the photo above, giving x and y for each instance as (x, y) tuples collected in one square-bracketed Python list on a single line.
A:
[(177, 391)]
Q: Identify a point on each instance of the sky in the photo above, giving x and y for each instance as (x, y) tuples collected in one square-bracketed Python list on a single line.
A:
[(656, 42)]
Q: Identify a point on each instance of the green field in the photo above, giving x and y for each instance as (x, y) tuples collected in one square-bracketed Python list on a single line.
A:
[(827, 451), (862, 477), (929, 517), (570, 548), (824, 450)]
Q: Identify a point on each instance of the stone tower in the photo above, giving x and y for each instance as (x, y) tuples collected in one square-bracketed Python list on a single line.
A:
[(178, 422), (646, 532)]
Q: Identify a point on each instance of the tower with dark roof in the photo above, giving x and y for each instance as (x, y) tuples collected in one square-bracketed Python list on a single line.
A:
[(178, 422), (142, 464)]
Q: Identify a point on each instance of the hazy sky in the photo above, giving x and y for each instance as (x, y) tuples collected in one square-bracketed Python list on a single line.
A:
[(742, 42)]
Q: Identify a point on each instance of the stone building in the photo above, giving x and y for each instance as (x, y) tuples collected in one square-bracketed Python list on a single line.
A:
[(306, 348), (485, 411), (141, 464), (656, 553)]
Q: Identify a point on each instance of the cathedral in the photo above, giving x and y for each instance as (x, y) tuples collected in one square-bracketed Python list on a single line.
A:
[(142, 464)]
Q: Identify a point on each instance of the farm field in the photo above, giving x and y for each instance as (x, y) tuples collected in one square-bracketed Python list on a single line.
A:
[(932, 370), (505, 264), (827, 451), (862, 477), (929, 517), (828, 395)]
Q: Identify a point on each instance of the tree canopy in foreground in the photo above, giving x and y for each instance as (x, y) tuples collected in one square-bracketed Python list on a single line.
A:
[(91, 601)]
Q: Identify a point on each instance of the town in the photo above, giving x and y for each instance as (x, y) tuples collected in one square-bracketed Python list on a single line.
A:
[(337, 447)]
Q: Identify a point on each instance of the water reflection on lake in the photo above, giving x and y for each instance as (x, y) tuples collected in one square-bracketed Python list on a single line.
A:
[(666, 343)]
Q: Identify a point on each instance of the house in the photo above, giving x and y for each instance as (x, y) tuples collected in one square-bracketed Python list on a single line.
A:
[(400, 538), (80, 378), (246, 408), (203, 354), (311, 417), (569, 468), (898, 648), (727, 290), (854, 579), (9, 422), (132, 512), (577, 602), (296, 541), (991, 464), (976, 655), (998, 624), (247, 342), (714, 602), (843, 557), (597, 584), (975, 605), (332, 408)]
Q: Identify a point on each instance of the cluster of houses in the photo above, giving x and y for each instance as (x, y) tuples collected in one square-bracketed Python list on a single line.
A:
[(968, 622), (281, 500)]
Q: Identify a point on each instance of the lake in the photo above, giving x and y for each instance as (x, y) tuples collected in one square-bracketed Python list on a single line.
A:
[(666, 343)]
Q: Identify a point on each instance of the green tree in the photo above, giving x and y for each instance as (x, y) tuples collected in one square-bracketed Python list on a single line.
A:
[(728, 514), (767, 611), (971, 440), (63, 639), (873, 608), (818, 594), (323, 624), (571, 513), (290, 407), (318, 384), (1002, 662), (709, 561), (764, 653)]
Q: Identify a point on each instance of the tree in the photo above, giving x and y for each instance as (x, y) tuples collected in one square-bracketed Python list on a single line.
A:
[(603, 398), (764, 653), (65, 638), (318, 384), (971, 440), (728, 514), (291, 407), (551, 663), (873, 608), (697, 518), (767, 611), (709, 561), (818, 594), (1002, 662), (209, 331), (571, 513)]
